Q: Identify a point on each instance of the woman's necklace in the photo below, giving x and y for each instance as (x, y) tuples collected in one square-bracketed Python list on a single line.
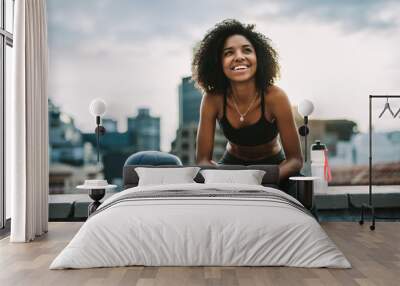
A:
[(242, 115)]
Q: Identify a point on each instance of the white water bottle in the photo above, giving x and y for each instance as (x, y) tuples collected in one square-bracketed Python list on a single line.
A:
[(320, 167)]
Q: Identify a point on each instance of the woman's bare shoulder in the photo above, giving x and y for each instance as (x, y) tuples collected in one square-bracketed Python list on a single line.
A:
[(275, 93), (212, 101)]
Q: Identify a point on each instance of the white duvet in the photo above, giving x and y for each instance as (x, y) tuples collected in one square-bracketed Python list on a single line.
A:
[(200, 231)]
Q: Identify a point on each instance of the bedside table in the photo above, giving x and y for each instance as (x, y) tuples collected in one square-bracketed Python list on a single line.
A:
[(96, 190), (304, 191)]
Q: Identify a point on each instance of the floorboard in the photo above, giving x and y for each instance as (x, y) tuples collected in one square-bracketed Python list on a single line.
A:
[(374, 255)]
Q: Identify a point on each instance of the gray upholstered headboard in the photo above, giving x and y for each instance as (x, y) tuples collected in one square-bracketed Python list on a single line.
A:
[(270, 179)]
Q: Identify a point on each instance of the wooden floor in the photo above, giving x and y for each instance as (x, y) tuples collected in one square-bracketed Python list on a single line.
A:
[(375, 256)]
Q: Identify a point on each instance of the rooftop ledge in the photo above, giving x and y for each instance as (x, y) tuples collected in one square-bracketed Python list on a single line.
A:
[(334, 203)]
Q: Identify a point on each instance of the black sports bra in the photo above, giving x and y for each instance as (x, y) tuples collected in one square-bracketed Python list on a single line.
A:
[(258, 133)]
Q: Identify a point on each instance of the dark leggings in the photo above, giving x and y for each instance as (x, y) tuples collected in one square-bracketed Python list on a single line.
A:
[(286, 185)]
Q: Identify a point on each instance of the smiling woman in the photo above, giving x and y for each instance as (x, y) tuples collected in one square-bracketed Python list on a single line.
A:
[(236, 68)]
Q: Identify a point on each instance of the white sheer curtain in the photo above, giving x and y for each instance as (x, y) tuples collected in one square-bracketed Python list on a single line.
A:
[(29, 123)]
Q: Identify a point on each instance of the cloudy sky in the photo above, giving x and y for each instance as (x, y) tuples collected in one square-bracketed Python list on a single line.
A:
[(134, 54)]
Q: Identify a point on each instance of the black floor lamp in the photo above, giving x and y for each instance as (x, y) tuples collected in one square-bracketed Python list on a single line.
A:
[(306, 107), (97, 188), (97, 109)]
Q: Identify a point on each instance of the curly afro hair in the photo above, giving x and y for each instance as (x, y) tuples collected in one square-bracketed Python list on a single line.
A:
[(207, 61)]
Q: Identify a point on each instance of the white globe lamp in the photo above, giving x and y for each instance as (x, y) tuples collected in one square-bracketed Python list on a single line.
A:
[(306, 107), (98, 108)]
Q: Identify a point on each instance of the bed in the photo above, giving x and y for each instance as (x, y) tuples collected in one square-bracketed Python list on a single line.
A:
[(201, 224)]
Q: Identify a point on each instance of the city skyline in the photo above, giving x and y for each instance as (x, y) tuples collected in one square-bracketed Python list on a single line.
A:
[(335, 54)]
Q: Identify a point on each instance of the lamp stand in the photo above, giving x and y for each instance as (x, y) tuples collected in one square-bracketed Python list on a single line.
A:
[(305, 138), (303, 131), (100, 130)]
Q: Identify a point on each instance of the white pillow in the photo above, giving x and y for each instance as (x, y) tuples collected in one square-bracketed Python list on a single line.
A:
[(164, 176), (250, 177)]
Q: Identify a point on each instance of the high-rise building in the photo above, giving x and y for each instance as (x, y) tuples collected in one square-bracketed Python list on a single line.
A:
[(109, 124), (189, 102), (184, 145), (331, 132), (334, 133), (143, 134), (71, 159), (146, 130), (65, 140)]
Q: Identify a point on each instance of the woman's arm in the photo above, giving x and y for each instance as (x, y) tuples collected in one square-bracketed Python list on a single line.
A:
[(282, 111), (206, 130)]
